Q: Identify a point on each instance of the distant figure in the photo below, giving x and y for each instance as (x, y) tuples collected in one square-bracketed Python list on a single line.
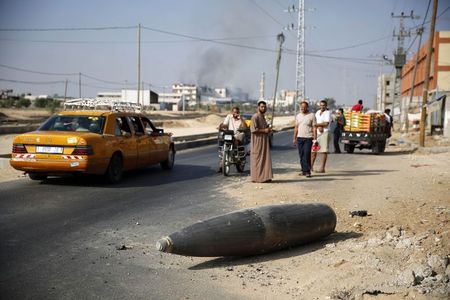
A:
[(323, 119), (260, 157), (389, 122), (304, 134), (337, 129), (358, 106)]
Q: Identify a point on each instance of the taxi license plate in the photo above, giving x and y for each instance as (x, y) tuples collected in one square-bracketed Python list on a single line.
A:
[(49, 149)]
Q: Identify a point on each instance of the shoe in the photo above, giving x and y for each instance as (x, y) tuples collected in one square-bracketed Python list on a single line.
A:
[(308, 175), (320, 171), (219, 170)]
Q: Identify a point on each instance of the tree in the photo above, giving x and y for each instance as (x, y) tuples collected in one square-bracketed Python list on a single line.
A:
[(22, 102)]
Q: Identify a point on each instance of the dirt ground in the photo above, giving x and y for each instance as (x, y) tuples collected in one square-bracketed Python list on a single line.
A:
[(401, 250)]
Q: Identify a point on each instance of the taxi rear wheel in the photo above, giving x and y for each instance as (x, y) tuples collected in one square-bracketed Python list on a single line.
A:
[(169, 162), (115, 169), (37, 176)]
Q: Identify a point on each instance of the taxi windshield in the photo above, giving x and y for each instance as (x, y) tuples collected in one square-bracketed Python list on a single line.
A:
[(92, 124)]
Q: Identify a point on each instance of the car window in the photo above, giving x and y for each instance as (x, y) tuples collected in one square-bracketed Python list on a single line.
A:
[(122, 126), (92, 124), (137, 126), (149, 128)]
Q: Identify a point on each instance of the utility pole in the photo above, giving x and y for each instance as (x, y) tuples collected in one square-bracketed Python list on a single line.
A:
[(419, 32), (300, 69), (139, 64), (79, 84), (65, 91), (280, 38), (423, 116), (399, 61)]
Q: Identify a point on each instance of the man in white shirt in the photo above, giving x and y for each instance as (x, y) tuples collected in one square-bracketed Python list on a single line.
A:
[(234, 122), (323, 120)]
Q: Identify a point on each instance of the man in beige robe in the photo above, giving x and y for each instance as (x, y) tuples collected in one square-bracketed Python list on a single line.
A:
[(260, 157)]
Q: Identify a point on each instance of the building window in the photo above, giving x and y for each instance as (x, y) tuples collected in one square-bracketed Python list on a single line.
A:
[(387, 94), (388, 82)]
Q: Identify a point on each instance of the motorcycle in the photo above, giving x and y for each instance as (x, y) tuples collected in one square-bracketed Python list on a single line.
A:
[(230, 153)]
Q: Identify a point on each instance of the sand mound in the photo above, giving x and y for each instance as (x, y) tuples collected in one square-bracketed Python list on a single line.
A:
[(211, 119)]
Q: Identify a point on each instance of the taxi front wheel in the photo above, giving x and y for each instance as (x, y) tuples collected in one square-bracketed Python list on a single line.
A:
[(115, 169)]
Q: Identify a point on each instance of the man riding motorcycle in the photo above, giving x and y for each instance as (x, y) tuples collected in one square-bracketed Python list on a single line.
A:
[(237, 124)]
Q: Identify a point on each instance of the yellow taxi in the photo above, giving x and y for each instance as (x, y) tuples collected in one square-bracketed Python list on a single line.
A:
[(106, 142)]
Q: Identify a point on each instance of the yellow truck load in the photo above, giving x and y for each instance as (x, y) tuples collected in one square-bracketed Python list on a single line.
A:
[(365, 131)]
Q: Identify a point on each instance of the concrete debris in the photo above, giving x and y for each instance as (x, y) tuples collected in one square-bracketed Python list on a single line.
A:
[(124, 247), (438, 264), (406, 278)]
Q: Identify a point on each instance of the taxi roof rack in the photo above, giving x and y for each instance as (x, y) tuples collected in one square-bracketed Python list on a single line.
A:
[(101, 104)]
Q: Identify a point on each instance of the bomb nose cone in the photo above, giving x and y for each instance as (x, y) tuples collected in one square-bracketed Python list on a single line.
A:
[(164, 245)]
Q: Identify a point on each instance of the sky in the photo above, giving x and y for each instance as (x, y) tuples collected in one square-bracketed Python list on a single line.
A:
[(220, 43)]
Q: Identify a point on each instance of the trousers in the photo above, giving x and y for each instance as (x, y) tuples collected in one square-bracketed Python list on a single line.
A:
[(304, 152)]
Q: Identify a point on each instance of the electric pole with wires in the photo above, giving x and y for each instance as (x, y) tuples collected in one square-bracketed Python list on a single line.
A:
[(399, 62)]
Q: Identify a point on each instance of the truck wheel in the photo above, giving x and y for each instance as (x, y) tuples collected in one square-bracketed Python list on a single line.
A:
[(240, 166), (349, 148)]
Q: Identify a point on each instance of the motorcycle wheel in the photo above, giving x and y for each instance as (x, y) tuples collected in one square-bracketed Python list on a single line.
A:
[(240, 166), (226, 163)]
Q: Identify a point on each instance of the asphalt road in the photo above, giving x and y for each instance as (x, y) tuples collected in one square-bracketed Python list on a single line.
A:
[(59, 239)]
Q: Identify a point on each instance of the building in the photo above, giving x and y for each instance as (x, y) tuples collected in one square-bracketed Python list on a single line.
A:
[(439, 84), (147, 98), (287, 98), (385, 91)]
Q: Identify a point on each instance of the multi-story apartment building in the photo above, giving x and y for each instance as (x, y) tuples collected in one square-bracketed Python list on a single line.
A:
[(439, 84), (385, 91)]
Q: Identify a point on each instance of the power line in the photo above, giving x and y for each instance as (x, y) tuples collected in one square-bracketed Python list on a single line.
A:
[(266, 13), (37, 72), (353, 46), (134, 42), (67, 29), (101, 80), (31, 82), (207, 40), (423, 23)]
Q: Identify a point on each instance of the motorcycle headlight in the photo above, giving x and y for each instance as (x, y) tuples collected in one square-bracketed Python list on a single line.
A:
[(228, 137)]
